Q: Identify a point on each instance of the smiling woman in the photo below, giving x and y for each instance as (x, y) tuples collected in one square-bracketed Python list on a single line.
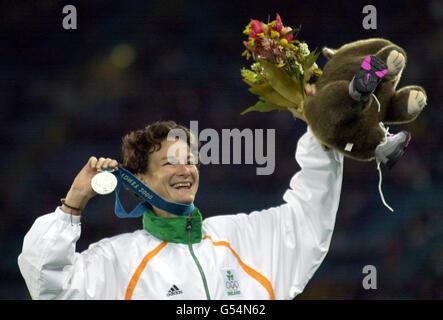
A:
[(174, 177), (267, 254), (174, 180)]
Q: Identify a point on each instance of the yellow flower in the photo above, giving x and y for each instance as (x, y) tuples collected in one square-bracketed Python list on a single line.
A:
[(284, 42), (275, 34), (247, 54), (247, 29)]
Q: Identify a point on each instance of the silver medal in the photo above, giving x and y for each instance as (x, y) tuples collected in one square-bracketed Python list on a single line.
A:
[(104, 182)]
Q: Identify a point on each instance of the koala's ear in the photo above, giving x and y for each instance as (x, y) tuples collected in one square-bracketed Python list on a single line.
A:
[(328, 52)]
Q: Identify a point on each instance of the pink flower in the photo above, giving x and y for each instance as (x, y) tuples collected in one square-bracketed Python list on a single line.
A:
[(285, 30), (255, 28), (279, 24), (268, 40)]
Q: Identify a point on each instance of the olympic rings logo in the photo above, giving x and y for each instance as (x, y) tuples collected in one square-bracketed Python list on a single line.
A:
[(232, 284)]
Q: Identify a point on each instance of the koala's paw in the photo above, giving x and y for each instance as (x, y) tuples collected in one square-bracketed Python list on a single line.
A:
[(416, 102), (396, 62)]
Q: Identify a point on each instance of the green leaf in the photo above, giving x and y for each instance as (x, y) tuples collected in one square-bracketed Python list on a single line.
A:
[(269, 94), (302, 85), (262, 106), (282, 83), (310, 59)]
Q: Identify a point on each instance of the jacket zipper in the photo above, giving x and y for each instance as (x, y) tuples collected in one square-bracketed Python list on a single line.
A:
[(189, 228)]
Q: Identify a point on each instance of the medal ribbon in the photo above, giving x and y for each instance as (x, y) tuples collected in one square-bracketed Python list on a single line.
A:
[(149, 197)]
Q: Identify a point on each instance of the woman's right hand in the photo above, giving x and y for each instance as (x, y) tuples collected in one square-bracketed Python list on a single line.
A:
[(81, 191)]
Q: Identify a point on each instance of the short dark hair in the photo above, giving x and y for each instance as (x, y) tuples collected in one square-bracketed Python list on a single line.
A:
[(139, 144)]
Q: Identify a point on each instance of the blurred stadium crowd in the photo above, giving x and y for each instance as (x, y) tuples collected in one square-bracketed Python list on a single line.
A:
[(68, 94)]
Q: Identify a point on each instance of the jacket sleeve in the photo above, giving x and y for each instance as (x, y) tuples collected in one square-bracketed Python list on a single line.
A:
[(53, 270), (288, 243)]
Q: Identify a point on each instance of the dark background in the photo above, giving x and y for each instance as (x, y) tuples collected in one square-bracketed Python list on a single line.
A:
[(67, 94)]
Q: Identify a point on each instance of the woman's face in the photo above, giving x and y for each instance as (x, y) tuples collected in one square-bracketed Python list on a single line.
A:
[(172, 172)]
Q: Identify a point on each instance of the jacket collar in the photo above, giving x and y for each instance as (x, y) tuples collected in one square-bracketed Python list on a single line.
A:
[(174, 229)]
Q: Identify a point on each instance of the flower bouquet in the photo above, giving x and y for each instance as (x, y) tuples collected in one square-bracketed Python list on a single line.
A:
[(282, 65)]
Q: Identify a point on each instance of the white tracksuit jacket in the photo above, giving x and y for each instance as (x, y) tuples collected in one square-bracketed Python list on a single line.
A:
[(267, 254)]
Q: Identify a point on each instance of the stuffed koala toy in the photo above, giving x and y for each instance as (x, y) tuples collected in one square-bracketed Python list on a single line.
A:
[(356, 96)]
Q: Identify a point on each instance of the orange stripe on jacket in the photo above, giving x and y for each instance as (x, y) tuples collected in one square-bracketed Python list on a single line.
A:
[(140, 268), (254, 274)]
